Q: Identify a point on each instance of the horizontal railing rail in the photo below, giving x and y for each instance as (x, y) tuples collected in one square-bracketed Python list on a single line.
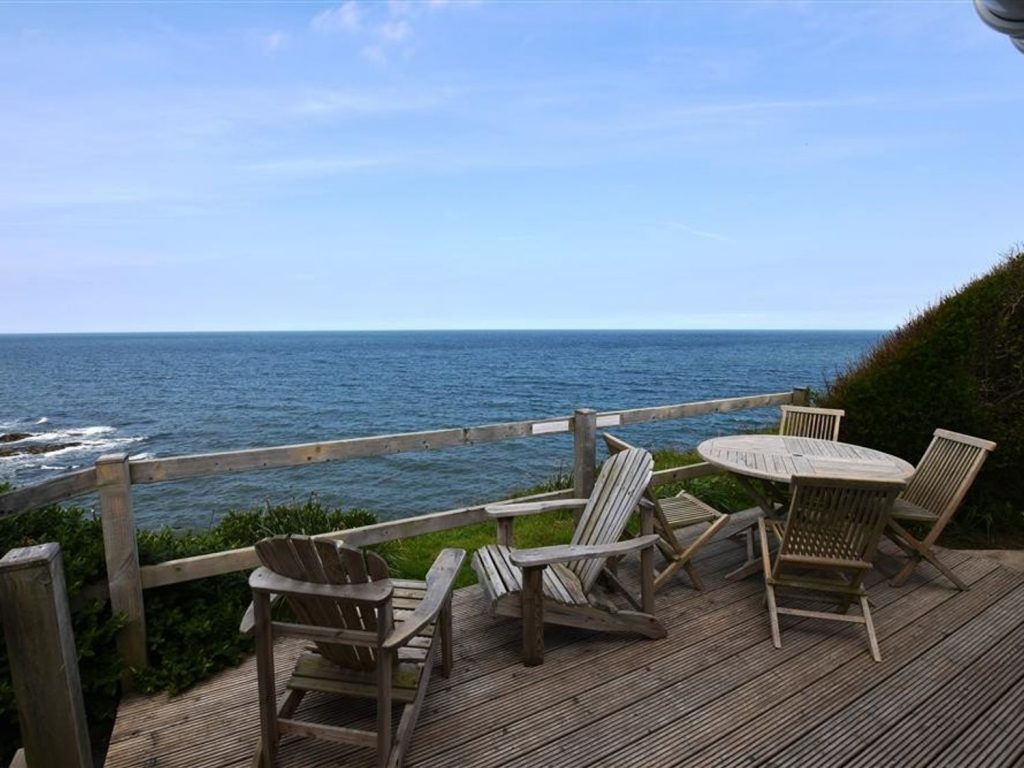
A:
[(144, 471), (113, 476), (49, 492)]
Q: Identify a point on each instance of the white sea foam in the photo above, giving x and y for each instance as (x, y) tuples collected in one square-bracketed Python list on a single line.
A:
[(90, 441), (43, 420), (141, 456)]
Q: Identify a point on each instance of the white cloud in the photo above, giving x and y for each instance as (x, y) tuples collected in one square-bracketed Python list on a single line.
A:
[(346, 17), (394, 31), (274, 41)]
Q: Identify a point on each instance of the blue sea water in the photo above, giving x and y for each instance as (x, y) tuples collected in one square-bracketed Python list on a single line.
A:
[(173, 394)]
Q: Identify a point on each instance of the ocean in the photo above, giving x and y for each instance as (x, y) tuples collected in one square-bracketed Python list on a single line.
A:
[(171, 394)]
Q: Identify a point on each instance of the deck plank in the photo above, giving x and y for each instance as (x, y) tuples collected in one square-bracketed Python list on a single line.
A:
[(714, 692)]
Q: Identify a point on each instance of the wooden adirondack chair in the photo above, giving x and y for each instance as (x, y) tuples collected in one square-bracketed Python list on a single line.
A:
[(820, 423), (675, 513), (558, 584), (374, 636), (943, 476), (826, 544)]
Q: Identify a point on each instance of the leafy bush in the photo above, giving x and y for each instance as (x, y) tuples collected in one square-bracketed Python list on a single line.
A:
[(957, 365)]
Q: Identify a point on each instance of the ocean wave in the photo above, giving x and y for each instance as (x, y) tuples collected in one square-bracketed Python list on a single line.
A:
[(43, 420), (141, 456), (82, 443)]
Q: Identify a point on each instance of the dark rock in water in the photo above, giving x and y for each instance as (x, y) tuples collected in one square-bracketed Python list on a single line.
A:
[(38, 448), (12, 437)]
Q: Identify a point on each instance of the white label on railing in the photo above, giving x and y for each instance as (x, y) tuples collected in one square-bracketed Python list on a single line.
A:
[(611, 420), (545, 427)]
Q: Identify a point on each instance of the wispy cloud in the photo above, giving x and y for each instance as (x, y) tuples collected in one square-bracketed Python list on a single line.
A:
[(274, 41), (347, 17), (383, 29)]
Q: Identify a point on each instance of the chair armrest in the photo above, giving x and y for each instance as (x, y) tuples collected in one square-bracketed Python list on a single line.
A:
[(248, 624), (561, 553), (440, 580), (497, 511), (371, 593)]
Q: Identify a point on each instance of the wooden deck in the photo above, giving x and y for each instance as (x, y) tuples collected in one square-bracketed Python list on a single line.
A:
[(948, 692)]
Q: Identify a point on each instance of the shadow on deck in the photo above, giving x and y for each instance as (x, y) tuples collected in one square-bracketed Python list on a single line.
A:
[(715, 692)]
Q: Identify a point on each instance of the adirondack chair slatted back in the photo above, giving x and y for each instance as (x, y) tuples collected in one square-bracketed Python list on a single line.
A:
[(325, 562), (945, 473), (819, 423), (623, 480), (835, 520)]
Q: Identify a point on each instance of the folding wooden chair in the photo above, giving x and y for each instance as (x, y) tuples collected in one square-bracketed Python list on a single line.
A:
[(820, 423), (682, 511), (943, 476), (826, 544)]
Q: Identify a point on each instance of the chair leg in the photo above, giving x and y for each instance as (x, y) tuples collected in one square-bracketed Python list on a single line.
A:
[(446, 638), (698, 582), (533, 616), (385, 667), (901, 578), (773, 615), (870, 626)]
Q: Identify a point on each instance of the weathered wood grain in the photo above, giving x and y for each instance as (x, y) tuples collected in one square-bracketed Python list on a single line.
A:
[(44, 667)]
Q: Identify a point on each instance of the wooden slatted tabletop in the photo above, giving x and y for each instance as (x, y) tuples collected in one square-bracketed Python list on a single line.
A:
[(776, 458)]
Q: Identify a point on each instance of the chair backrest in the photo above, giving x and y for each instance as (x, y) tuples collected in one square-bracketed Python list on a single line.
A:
[(945, 473), (623, 480), (832, 521), (327, 562), (820, 423)]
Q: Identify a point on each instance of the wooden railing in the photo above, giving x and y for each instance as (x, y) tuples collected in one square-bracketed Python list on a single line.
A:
[(113, 476)]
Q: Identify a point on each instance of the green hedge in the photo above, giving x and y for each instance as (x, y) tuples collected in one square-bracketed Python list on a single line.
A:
[(957, 365)]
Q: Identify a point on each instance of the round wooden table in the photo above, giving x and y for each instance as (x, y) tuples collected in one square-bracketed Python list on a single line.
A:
[(776, 458), (761, 463)]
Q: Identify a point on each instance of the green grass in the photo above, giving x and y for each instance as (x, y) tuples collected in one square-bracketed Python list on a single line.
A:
[(411, 558)]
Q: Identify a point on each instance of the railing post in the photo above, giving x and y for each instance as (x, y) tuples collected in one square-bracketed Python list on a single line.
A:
[(44, 667), (113, 482), (584, 434), (801, 396)]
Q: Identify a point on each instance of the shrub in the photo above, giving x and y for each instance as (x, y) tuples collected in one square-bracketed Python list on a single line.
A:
[(958, 365)]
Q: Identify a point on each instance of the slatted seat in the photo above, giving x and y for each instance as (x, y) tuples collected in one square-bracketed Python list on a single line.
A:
[(558, 584), (802, 421), (904, 510), (826, 544), (684, 510), (374, 638), (942, 478)]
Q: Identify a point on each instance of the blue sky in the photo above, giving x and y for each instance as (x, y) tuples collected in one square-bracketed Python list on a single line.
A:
[(500, 165)]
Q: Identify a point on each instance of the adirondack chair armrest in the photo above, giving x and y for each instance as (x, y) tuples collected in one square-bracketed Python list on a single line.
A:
[(562, 553), (440, 581), (248, 624), (370, 593), (497, 511)]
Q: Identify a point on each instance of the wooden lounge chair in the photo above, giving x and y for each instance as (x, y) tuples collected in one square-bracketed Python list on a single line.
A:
[(683, 510), (558, 584), (943, 476), (826, 544), (820, 423), (374, 637)]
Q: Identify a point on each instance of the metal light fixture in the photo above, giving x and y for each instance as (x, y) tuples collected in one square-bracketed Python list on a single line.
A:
[(1006, 16)]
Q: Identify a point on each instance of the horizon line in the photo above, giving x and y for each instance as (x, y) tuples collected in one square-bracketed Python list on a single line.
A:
[(449, 330)]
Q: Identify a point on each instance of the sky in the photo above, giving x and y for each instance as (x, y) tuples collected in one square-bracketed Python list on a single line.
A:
[(398, 165)]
